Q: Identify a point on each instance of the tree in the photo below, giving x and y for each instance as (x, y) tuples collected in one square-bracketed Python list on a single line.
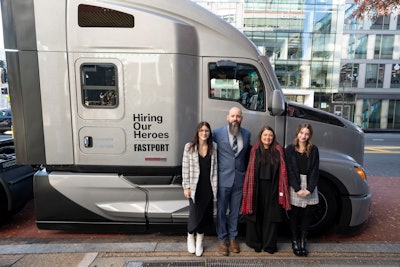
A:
[(372, 9)]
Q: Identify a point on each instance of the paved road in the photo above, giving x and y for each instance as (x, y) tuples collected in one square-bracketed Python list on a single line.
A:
[(382, 154)]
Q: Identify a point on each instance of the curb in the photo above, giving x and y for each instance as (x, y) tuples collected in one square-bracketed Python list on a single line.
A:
[(160, 248)]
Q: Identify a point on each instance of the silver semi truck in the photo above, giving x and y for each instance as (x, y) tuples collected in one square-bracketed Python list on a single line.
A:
[(106, 93)]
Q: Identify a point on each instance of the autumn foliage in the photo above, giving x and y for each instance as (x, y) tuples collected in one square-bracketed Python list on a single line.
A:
[(372, 9)]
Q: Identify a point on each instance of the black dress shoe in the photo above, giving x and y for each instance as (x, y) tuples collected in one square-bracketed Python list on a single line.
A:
[(270, 250), (258, 250)]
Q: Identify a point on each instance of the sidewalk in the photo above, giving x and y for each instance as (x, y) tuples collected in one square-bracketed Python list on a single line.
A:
[(174, 254)]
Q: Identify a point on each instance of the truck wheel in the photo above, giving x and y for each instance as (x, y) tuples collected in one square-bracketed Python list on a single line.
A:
[(325, 212)]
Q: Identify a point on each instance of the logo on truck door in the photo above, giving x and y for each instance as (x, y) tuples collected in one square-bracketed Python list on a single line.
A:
[(146, 127)]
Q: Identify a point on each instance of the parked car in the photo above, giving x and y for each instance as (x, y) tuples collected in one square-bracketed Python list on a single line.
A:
[(5, 120)]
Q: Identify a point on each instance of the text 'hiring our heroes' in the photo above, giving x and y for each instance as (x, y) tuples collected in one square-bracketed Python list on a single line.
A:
[(145, 129)]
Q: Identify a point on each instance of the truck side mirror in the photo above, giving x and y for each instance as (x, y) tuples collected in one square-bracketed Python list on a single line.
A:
[(278, 103)]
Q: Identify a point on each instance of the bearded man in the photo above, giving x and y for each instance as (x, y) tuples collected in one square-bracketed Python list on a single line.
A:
[(233, 146)]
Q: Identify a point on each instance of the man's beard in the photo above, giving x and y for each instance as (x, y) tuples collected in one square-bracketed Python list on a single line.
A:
[(234, 129)]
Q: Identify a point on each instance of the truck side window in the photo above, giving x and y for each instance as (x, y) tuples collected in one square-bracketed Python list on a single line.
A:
[(99, 85), (94, 16), (237, 82)]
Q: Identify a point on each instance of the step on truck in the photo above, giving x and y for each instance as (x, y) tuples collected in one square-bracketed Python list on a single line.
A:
[(106, 93)]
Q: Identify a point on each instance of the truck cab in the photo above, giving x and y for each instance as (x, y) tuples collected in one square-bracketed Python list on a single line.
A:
[(106, 94)]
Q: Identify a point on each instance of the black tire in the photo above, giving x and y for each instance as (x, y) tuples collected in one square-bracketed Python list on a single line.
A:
[(325, 212)]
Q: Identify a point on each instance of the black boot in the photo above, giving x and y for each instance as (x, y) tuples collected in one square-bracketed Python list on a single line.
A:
[(303, 243), (295, 241), (296, 248)]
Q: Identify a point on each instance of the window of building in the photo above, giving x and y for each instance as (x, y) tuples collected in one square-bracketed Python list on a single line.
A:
[(351, 23), (289, 75), (371, 114), (374, 75), (280, 46), (94, 16), (319, 74), (295, 50), (395, 77), (398, 23), (261, 5), (255, 5), (255, 22), (323, 18), (226, 10), (381, 23), (323, 46), (383, 47), (99, 86), (394, 114), (352, 45), (295, 98), (241, 83), (360, 47), (349, 75)]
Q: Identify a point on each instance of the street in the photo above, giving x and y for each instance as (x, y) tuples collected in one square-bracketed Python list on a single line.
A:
[(382, 154)]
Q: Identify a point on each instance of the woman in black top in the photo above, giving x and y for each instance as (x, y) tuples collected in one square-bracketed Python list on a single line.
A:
[(199, 182), (302, 162), (265, 192)]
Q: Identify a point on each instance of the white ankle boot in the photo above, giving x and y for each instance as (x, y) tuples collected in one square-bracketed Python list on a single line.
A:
[(199, 244), (190, 243)]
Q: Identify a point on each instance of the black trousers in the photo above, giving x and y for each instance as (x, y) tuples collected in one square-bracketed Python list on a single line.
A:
[(300, 218)]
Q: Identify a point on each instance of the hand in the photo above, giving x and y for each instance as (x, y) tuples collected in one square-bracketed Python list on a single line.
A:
[(303, 193), (186, 192)]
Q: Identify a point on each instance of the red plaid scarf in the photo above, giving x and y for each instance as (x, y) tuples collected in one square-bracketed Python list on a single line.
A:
[(249, 182)]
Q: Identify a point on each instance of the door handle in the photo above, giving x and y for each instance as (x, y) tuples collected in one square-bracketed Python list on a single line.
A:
[(88, 141)]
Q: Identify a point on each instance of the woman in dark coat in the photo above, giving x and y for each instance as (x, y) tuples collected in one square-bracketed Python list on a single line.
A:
[(265, 192), (302, 162)]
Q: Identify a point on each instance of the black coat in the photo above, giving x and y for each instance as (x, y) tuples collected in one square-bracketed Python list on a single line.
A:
[(273, 213), (293, 170)]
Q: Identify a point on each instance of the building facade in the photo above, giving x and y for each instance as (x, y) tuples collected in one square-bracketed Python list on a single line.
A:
[(323, 58)]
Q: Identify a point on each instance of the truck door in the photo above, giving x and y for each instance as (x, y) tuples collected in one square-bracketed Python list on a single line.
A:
[(238, 82), (100, 109)]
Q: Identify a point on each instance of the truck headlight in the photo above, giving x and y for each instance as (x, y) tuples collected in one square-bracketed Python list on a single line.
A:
[(360, 171)]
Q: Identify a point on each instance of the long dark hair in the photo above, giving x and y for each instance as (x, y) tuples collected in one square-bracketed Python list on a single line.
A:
[(273, 152), (195, 140), (296, 140)]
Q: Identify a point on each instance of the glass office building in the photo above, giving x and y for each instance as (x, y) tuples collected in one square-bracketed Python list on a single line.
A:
[(323, 58)]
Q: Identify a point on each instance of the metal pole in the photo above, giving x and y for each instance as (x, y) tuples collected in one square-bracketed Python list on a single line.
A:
[(343, 102)]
